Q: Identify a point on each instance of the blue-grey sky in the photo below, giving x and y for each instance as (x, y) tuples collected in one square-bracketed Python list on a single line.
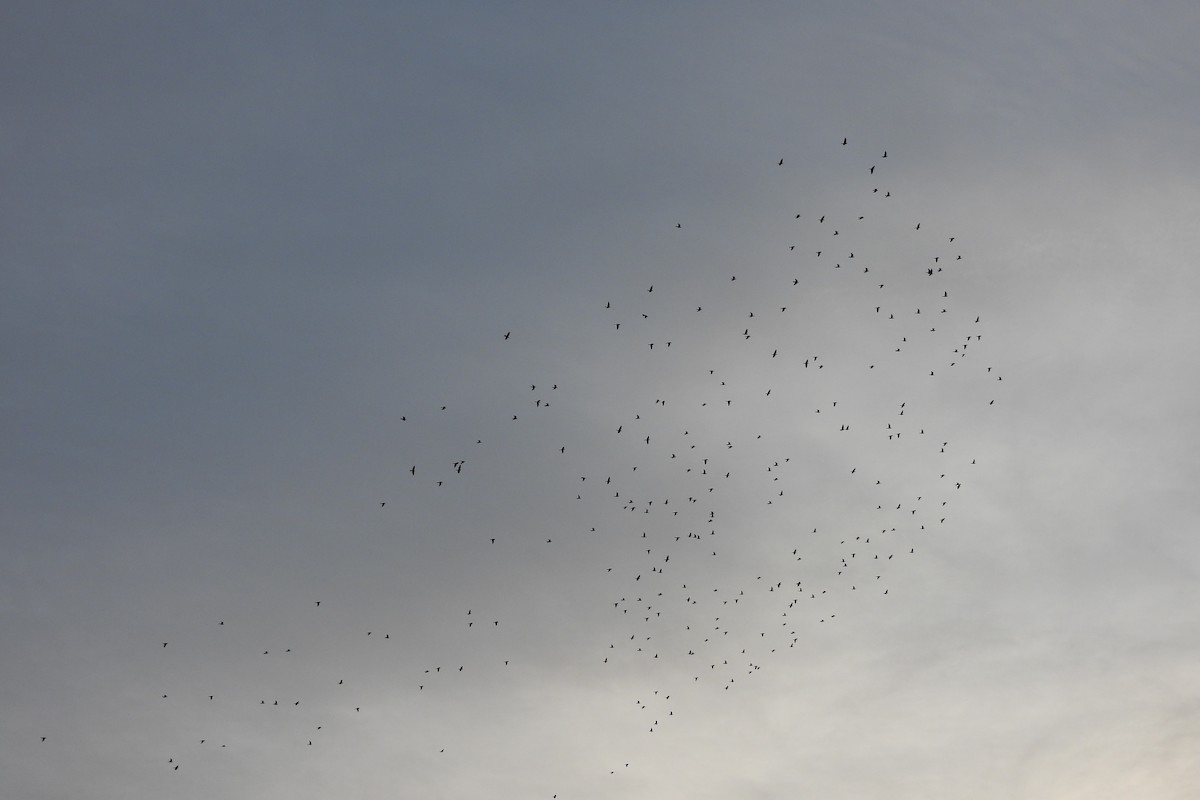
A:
[(327, 362)]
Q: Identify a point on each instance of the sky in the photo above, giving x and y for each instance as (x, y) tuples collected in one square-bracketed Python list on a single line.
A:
[(448, 400)]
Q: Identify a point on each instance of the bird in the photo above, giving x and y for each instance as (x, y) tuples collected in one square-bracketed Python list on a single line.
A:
[(677, 479)]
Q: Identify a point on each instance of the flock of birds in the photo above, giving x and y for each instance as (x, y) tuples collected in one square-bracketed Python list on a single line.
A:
[(736, 414)]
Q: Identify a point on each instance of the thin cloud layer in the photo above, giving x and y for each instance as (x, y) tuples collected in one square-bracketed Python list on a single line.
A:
[(329, 364)]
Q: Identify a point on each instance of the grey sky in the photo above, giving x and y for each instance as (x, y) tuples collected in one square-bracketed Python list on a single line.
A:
[(249, 252)]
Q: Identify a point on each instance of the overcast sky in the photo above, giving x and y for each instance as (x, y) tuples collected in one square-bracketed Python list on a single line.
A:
[(458, 393)]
